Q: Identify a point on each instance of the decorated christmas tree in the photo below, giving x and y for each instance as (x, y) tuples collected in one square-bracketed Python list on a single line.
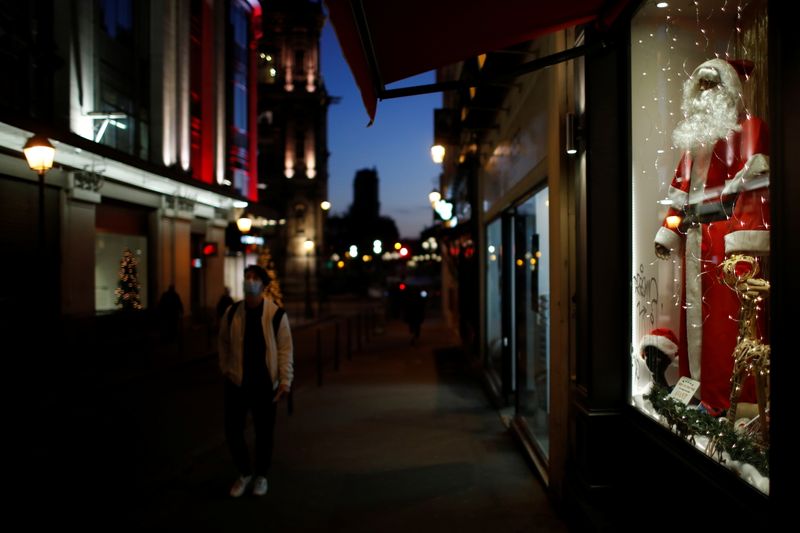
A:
[(127, 290), (274, 287)]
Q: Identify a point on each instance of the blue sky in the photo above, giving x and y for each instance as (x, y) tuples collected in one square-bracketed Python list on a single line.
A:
[(397, 144)]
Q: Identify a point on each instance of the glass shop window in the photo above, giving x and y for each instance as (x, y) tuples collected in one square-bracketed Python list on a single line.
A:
[(700, 344), (494, 302), (532, 293)]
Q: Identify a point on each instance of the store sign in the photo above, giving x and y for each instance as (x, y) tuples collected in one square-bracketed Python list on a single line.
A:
[(252, 239), (210, 249)]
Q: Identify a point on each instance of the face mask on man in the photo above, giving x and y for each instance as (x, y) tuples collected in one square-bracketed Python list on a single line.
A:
[(253, 287)]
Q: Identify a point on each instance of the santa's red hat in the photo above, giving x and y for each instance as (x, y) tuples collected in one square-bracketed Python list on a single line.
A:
[(743, 67), (661, 338)]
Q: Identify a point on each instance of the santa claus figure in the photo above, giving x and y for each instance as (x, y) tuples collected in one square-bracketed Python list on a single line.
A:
[(719, 206)]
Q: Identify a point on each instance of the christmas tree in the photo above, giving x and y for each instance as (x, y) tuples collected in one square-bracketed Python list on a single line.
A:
[(127, 290), (274, 287)]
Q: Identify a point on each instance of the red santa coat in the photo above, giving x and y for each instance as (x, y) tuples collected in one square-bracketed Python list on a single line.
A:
[(710, 310)]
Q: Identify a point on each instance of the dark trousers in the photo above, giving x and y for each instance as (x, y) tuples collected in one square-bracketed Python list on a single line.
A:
[(238, 402)]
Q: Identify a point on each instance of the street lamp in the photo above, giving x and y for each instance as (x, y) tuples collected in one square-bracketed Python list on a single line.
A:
[(308, 245), (40, 154), (437, 153), (244, 224), (325, 205)]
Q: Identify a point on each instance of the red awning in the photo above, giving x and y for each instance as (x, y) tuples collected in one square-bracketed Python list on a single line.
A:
[(388, 40)]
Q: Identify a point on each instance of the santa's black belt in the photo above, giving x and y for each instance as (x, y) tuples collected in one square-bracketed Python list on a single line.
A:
[(706, 213)]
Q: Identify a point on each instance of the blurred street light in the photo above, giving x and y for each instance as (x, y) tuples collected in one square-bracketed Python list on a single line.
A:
[(40, 154), (244, 224), (437, 153), (308, 246)]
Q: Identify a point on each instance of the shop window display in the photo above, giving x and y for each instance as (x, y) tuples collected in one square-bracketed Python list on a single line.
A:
[(111, 262), (700, 227)]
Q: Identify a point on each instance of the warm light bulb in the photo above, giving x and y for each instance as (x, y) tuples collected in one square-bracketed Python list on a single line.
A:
[(244, 224), (39, 153), (437, 153), (673, 221)]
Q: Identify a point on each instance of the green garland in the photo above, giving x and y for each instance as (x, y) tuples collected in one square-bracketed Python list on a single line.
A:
[(688, 423)]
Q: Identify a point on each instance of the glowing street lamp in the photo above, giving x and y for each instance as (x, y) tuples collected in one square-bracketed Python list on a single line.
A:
[(244, 224), (40, 155), (437, 153), (308, 245), (325, 205)]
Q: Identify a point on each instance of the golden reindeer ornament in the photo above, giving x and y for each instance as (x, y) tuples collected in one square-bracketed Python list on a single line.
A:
[(751, 356)]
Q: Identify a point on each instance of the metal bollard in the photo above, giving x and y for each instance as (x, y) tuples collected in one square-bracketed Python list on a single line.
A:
[(319, 359), (349, 340), (359, 330), (336, 346)]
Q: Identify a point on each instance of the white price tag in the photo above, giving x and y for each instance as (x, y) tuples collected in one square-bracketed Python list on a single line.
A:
[(684, 390)]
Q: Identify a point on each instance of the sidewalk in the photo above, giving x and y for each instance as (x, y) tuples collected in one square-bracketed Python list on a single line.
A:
[(400, 439)]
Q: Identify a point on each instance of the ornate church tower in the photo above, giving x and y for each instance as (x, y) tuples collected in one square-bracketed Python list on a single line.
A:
[(292, 144)]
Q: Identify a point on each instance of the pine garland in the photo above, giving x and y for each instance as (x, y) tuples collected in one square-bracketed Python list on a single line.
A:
[(688, 423)]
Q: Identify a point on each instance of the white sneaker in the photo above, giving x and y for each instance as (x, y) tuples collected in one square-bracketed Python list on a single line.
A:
[(260, 486), (240, 485)]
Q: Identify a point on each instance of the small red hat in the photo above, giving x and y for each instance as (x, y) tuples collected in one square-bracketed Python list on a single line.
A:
[(663, 339)]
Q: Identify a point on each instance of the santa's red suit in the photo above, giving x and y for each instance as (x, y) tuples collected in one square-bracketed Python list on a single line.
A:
[(732, 167)]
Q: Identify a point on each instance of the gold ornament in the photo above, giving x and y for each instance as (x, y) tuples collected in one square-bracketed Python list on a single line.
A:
[(751, 356)]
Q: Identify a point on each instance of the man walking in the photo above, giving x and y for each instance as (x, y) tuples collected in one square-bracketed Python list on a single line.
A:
[(256, 358)]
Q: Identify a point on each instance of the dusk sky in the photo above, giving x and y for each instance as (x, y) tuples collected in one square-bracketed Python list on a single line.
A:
[(397, 144)]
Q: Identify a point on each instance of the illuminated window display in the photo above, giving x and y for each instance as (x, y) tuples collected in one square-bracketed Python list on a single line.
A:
[(700, 227)]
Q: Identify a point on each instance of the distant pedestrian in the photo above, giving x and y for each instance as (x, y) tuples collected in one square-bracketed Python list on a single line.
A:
[(414, 311), (257, 361), (224, 302), (170, 314)]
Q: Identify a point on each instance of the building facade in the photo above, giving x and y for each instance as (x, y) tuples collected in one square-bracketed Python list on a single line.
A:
[(587, 324), (151, 109), (292, 139)]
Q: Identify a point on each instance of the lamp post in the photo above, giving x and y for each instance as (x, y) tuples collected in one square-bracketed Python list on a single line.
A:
[(40, 154), (308, 245)]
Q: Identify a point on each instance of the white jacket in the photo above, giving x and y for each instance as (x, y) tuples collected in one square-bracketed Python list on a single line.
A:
[(279, 356)]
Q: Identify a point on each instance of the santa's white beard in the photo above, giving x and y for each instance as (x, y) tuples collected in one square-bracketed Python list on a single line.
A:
[(710, 116)]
